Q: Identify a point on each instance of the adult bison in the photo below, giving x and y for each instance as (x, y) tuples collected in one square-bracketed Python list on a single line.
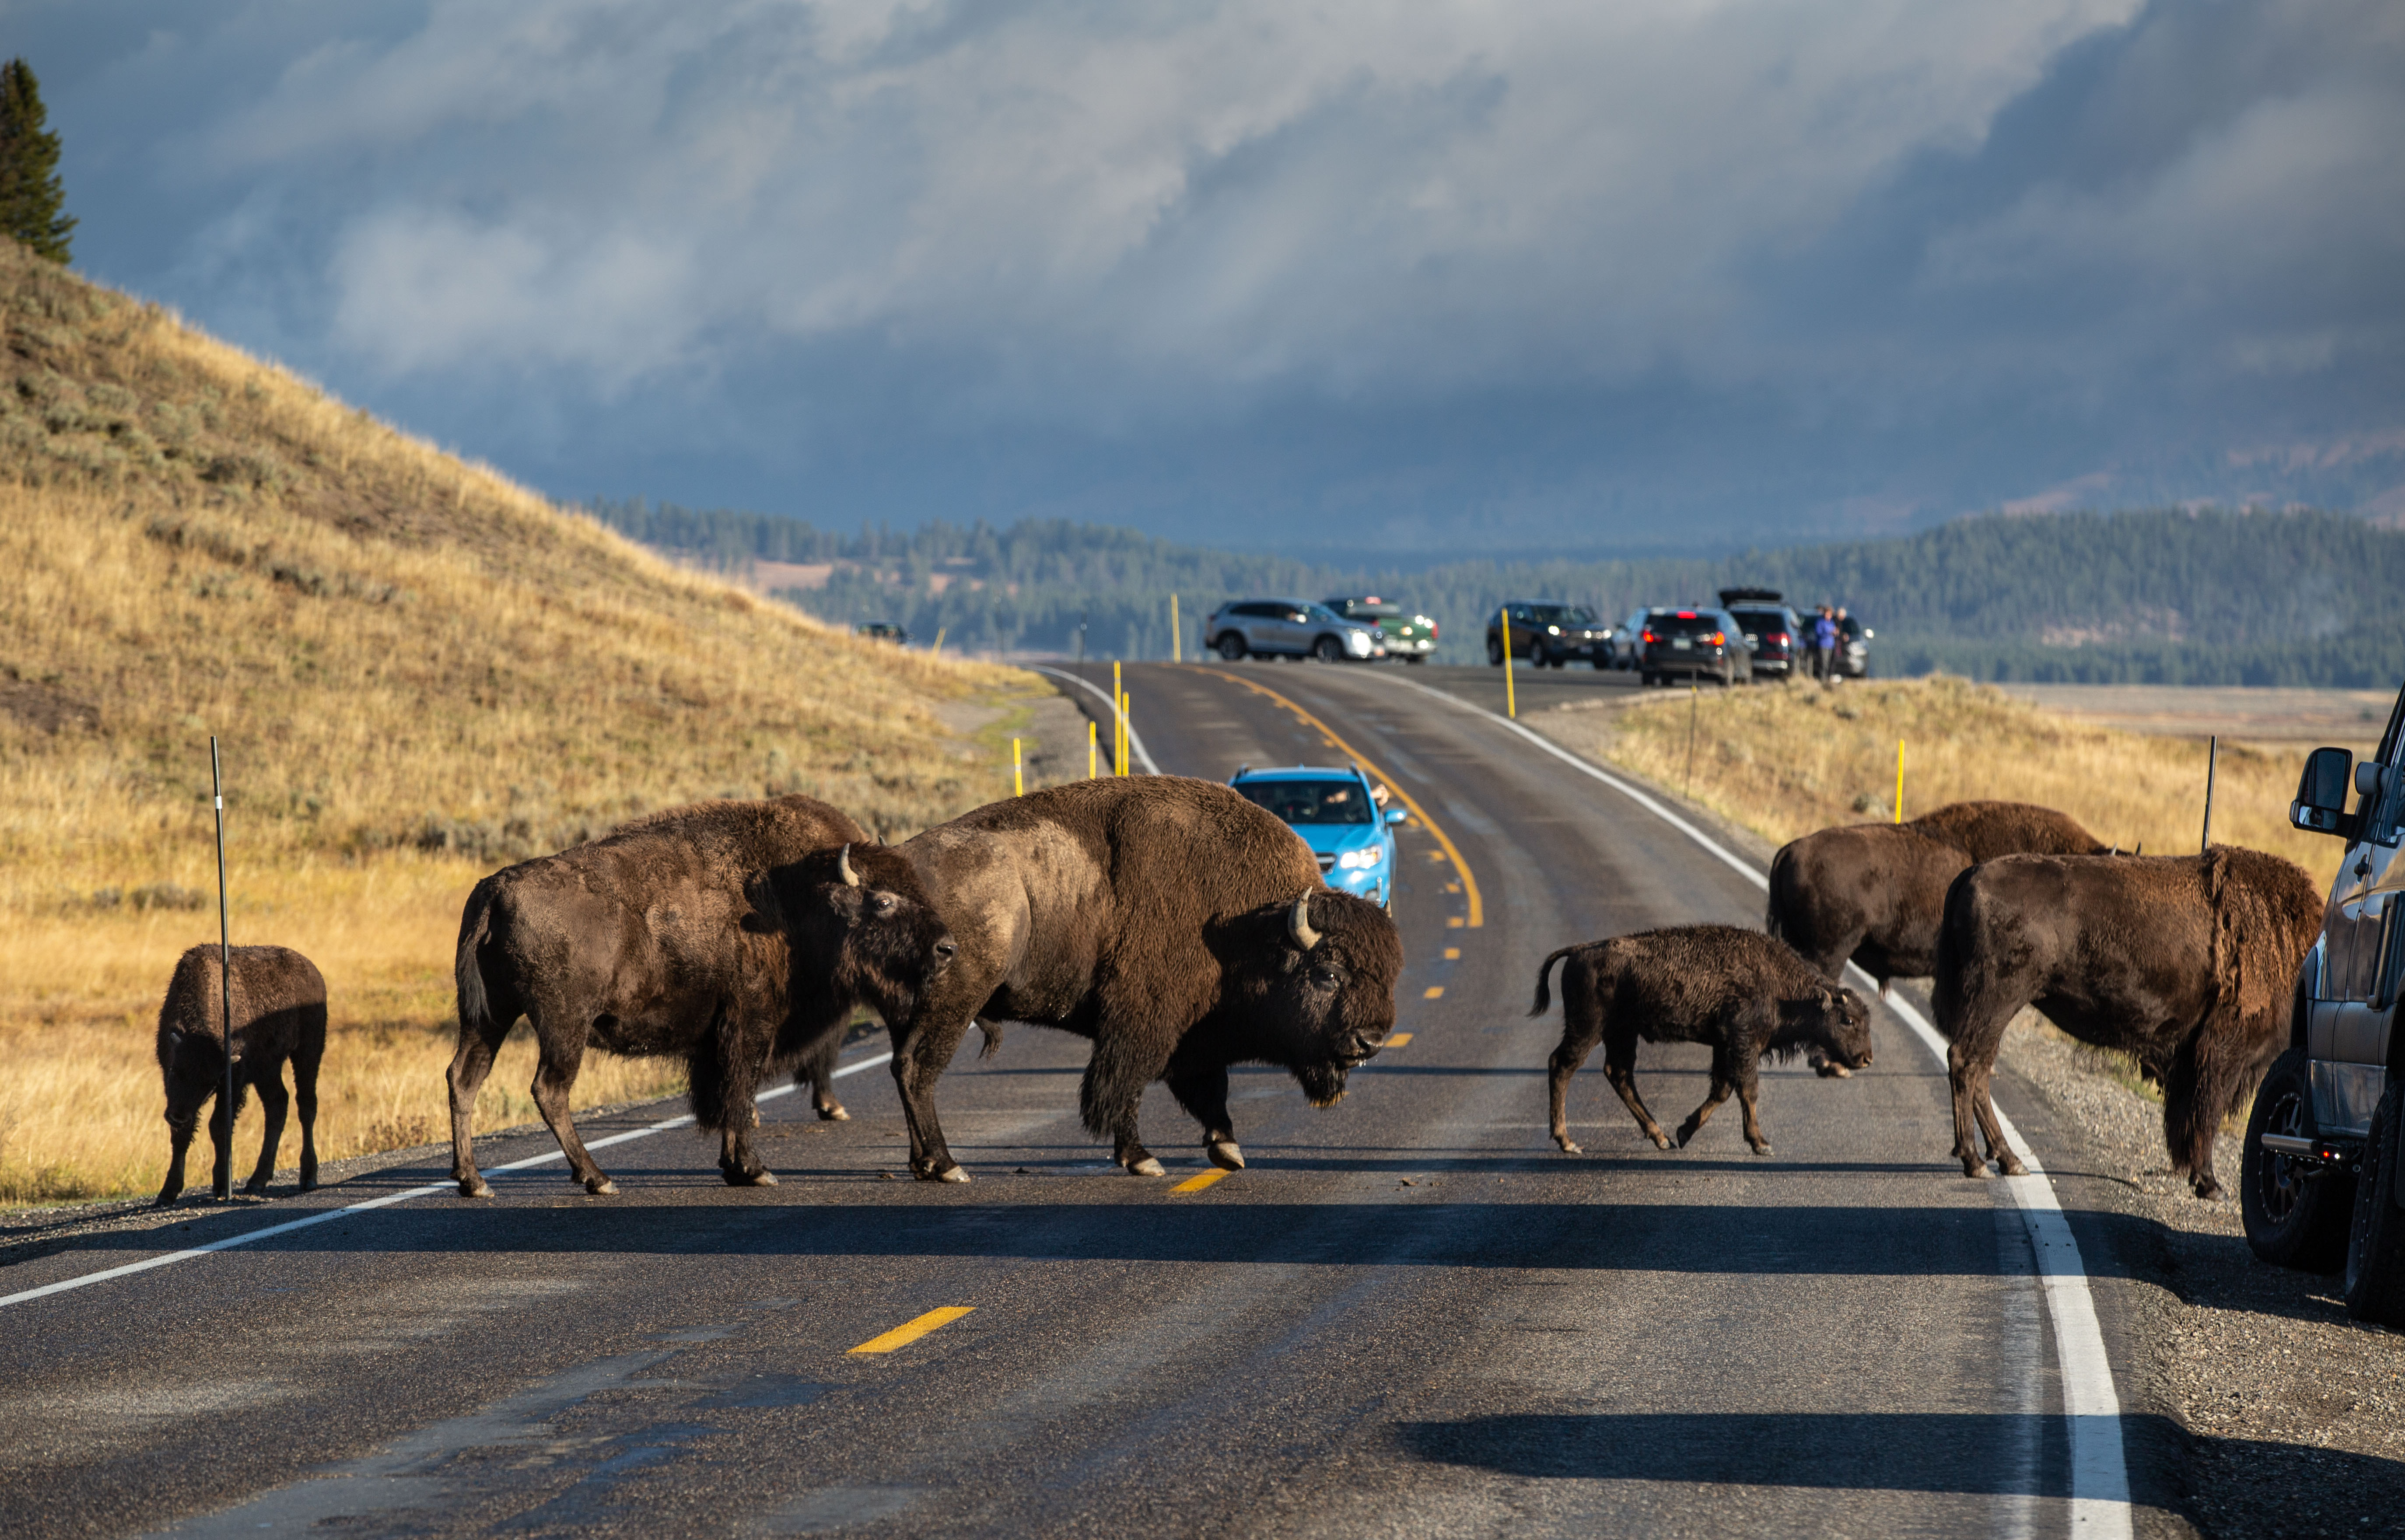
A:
[(278, 1002), (1178, 926), (731, 934), (1873, 891), (2182, 961)]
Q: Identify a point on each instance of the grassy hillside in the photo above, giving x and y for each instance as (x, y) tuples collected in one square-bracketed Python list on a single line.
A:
[(418, 671)]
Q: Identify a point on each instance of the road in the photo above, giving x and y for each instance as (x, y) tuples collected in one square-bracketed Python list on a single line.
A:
[(1410, 1315)]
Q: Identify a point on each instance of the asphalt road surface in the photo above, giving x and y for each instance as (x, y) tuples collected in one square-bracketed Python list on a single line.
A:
[(1410, 1316)]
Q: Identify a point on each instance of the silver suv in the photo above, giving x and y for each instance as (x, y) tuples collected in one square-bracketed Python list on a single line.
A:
[(1290, 628), (2322, 1188)]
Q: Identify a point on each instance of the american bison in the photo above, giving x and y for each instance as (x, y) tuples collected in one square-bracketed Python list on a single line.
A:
[(732, 934), (1178, 926), (2185, 962), (279, 1013), (1743, 993), (1873, 892)]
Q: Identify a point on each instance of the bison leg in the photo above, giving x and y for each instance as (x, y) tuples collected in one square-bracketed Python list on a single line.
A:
[(179, 1143), (1969, 1073), (1123, 1065), (274, 1104), (221, 1141), (1747, 1088), (919, 1061), (1579, 1034), (1202, 1089), (1722, 1088), (1620, 1067), (554, 1078), (721, 1075), (817, 1072), (305, 1091), (471, 1062)]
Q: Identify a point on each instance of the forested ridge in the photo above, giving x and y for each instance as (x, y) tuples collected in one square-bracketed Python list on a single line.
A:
[(2155, 596)]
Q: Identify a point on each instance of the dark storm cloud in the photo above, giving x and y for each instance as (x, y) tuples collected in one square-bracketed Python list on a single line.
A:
[(1409, 271)]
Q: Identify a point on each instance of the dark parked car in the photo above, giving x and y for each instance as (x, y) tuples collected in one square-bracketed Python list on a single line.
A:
[(1628, 639), (1690, 642), (1290, 628), (1548, 633), (1408, 636), (1777, 636), (1853, 658)]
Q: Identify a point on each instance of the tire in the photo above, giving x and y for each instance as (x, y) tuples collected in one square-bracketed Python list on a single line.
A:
[(1232, 645), (1603, 663), (1415, 657), (1647, 680), (1328, 649), (1493, 654), (2375, 1248), (2295, 1216)]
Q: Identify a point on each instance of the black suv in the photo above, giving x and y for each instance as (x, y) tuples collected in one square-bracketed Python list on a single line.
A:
[(1692, 642), (2323, 1183), (1550, 634), (1772, 631)]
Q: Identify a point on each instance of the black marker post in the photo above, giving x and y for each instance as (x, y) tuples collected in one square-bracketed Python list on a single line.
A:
[(225, 987), (2211, 760)]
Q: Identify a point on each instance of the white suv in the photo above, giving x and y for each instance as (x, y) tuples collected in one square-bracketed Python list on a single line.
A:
[(1290, 628)]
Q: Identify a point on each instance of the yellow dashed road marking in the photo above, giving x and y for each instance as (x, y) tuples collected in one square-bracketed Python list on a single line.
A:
[(1435, 991), (1453, 954), (910, 1331), (1196, 1184), (1455, 922), (1399, 1039)]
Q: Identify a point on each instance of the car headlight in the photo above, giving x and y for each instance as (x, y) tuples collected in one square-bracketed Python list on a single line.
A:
[(1361, 860), (1358, 641)]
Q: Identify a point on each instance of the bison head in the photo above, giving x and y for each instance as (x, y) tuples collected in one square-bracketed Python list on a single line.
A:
[(1832, 1027), (194, 1065), (1310, 985), (860, 929)]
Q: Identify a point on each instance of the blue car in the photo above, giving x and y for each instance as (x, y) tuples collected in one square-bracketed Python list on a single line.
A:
[(1336, 812)]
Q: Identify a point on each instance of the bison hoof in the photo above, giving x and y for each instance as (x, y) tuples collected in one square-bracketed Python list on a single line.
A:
[(1973, 1166), (1661, 1141), (751, 1179), (1225, 1155), (601, 1186), (2010, 1165), (166, 1200), (1147, 1166), (2205, 1188), (1569, 1145), (834, 1112), (952, 1173), (1834, 1071), (474, 1186), (1762, 1149)]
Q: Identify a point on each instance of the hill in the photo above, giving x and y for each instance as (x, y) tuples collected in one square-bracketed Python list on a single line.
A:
[(418, 670), (2209, 596)]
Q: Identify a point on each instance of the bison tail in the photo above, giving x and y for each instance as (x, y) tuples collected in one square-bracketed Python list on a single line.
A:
[(1544, 983), (1772, 919), (475, 927)]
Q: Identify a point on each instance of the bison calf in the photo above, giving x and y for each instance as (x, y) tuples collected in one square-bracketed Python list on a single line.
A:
[(1743, 993), (279, 1013)]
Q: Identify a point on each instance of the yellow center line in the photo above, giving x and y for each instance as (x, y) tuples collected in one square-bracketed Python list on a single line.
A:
[(1453, 954), (910, 1331), (1399, 1039), (1435, 991), (1196, 1184), (1468, 884)]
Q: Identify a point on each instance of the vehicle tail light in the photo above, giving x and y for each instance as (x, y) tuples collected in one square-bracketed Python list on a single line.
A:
[(1648, 636), (1776, 637), (1716, 638), (1686, 615)]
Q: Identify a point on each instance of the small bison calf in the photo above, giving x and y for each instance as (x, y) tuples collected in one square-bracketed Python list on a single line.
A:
[(1740, 991), (279, 1013)]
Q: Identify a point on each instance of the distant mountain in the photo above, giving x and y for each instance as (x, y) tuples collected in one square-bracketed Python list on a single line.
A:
[(2168, 596)]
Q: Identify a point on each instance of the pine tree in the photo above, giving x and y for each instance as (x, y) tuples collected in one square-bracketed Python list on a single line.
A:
[(33, 204)]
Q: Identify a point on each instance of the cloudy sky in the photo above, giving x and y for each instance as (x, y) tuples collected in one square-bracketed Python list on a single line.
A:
[(1420, 276)]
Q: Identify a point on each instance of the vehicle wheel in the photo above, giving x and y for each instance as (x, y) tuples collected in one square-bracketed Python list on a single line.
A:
[(1603, 663), (1328, 649), (1645, 681), (1231, 646), (1556, 663), (1494, 653), (1415, 657), (2296, 1216), (2375, 1248)]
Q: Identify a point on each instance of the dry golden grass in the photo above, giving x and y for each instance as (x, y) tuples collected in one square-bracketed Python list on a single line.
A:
[(1785, 762), (419, 671)]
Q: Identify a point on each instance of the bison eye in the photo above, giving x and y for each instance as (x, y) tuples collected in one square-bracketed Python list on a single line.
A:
[(882, 904), (1325, 977)]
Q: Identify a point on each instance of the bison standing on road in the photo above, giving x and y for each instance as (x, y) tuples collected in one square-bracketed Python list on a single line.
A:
[(1743, 993), (727, 933), (1873, 891), (1175, 924), (2185, 962), (279, 1013)]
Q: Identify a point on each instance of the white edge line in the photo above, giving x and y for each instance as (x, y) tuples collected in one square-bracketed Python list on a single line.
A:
[(2100, 1472), (1135, 739), (329, 1215)]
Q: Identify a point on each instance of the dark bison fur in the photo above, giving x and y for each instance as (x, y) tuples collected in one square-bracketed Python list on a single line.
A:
[(725, 934), (2183, 962), (1742, 993), (1872, 893), (279, 1013), (815, 1074), (1176, 925)]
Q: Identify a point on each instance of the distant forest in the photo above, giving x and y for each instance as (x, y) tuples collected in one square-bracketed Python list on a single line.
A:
[(2169, 596)]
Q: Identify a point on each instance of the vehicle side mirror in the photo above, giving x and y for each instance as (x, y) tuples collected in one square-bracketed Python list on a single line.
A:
[(1397, 815), (2320, 808)]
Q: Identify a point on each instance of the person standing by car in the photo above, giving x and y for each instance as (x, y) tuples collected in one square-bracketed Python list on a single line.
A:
[(1824, 646)]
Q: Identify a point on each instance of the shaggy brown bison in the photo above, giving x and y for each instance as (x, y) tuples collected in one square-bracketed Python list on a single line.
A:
[(1178, 926), (1743, 993), (279, 1013), (2185, 962), (1873, 892), (731, 934)]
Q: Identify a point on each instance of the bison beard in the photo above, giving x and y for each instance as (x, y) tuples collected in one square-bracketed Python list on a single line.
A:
[(279, 1013), (735, 935), (1178, 926), (2185, 962)]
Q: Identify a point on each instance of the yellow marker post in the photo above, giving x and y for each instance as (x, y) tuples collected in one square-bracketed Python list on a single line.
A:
[(910, 1331), (1176, 637), (1118, 722), (1093, 747), (938, 650), (1510, 697), (1126, 733), (1899, 781), (1018, 773)]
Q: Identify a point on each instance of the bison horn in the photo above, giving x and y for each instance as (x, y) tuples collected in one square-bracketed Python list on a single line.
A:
[(1298, 924), (843, 864)]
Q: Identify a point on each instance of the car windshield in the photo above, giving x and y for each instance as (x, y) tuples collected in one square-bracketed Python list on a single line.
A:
[(1310, 801), (1683, 622), (1761, 619), (1560, 615)]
